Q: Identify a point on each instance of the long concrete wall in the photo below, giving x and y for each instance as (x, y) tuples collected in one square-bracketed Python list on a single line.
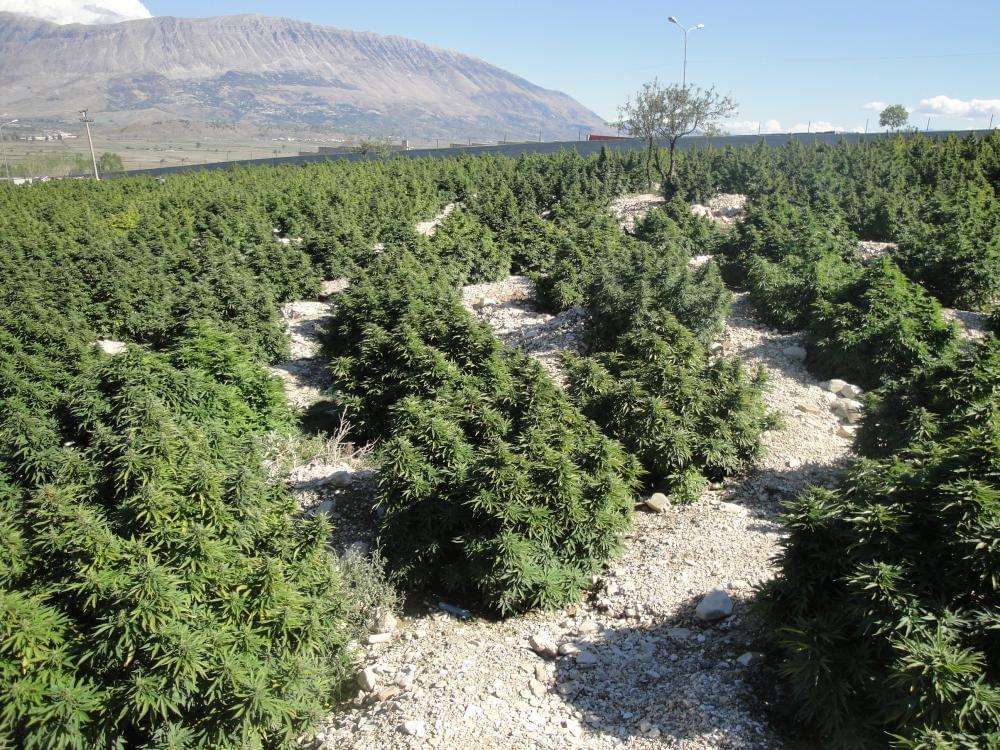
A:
[(581, 147)]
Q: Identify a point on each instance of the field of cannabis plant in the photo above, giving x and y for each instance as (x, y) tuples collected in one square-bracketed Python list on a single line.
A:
[(159, 590)]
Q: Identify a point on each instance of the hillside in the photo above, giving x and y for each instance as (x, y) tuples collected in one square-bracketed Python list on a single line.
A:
[(267, 72)]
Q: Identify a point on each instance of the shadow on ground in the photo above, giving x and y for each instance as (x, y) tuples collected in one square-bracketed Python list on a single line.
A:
[(681, 679), (762, 490)]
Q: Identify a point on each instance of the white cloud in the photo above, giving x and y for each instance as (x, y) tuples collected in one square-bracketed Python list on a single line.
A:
[(751, 126), (78, 11), (875, 106), (949, 107)]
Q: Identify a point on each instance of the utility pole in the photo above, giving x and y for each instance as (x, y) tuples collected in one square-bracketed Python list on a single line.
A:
[(866, 126), (673, 20), (6, 164), (86, 121)]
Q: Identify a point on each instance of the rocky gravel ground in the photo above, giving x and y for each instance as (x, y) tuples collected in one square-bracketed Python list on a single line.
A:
[(338, 480), (660, 653), (724, 208), (509, 308), (972, 326), (631, 209), (869, 250), (305, 376), (429, 227)]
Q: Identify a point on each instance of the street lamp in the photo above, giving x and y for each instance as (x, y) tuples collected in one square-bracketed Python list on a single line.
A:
[(673, 20), (86, 121), (3, 148)]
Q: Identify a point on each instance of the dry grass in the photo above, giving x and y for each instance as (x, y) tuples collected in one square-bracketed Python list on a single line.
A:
[(284, 452)]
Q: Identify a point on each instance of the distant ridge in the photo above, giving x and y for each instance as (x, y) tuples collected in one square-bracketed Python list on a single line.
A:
[(265, 72)]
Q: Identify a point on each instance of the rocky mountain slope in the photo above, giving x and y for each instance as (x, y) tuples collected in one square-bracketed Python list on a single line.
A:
[(261, 71)]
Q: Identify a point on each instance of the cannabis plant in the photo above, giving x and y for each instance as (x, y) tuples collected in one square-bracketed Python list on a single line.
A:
[(882, 326), (155, 589), (884, 613), (644, 289), (688, 420), (493, 486), (933, 402)]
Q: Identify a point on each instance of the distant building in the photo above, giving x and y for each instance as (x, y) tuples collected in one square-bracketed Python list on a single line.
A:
[(52, 135), (595, 137)]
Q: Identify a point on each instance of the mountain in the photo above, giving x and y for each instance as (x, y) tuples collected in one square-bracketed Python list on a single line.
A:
[(271, 72)]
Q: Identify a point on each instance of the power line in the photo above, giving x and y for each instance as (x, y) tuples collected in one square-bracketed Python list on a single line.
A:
[(849, 58), (747, 60)]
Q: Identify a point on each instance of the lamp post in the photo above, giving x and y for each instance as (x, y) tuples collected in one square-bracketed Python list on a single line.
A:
[(86, 121), (3, 148), (673, 20)]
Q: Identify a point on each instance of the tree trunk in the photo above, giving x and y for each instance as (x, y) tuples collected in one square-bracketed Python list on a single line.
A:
[(649, 158), (670, 186), (659, 168)]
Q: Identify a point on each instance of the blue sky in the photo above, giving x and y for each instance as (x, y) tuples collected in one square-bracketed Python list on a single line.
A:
[(786, 63)]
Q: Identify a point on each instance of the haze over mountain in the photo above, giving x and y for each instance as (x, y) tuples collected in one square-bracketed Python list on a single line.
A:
[(75, 11), (270, 72)]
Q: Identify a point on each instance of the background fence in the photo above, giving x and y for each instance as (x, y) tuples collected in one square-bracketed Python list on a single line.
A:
[(582, 147)]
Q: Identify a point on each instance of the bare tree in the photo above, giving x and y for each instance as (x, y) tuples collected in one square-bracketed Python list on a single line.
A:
[(380, 148), (690, 109), (669, 113), (643, 117)]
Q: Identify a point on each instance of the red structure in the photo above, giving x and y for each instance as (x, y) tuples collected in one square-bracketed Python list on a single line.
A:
[(594, 137)]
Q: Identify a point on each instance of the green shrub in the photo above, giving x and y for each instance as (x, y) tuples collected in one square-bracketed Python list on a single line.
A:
[(646, 289), (932, 402), (878, 328), (535, 244), (591, 239), (885, 610), (469, 245), (783, 293), (774, 227), (954, 248), (675, 226), (494, 487), (155, 590), (788, 258), (258, 393), (649, 383), (687, 421)]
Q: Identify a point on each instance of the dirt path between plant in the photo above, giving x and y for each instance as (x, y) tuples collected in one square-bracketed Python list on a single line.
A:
[(634, 665)]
